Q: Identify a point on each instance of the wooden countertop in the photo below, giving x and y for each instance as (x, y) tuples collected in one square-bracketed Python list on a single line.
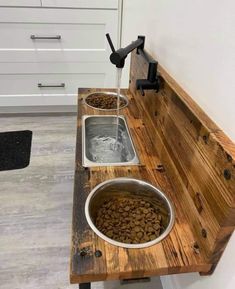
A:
[(178, 253)]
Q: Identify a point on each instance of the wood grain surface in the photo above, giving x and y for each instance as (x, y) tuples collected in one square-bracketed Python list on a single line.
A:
[(175, 254), (199, 159), (168, 128)]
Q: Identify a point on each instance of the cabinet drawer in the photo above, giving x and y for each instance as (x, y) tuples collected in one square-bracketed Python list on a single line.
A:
[(58, 68), (100, 4), (56, 35), (62, 16), (51, 56), (48, 84), (52, 36), (20, 3)]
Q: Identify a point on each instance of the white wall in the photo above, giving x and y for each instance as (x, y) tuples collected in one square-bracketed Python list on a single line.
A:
[(195, 42), (222, 278)]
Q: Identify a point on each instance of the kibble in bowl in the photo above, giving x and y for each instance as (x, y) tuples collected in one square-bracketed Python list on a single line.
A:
[(105, 100), (129, 213)]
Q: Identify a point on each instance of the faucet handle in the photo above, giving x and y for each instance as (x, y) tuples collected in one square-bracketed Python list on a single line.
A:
[(110, 42)]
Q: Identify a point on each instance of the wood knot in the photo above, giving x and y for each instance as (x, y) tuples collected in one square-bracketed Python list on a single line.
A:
[(198, 202), (85, 251)]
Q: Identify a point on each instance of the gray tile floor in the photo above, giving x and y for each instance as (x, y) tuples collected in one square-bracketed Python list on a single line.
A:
[(36, 209)]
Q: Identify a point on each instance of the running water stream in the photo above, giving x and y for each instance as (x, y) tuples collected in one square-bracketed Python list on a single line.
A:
[(110, 143), (119, 76)]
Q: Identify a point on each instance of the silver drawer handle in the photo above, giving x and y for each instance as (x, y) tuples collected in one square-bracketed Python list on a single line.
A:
[(56, 37), (40, 85)]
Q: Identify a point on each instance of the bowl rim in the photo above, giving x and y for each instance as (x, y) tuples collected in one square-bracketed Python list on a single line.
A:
[(107, 93), (127, 245)]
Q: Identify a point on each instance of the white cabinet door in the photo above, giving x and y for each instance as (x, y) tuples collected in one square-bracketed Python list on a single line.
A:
[(53, 42), (53, 35), (20, 3), (79, 57), (77, 34), (105, 4), (58, 67), (46, 89), (44, 84)]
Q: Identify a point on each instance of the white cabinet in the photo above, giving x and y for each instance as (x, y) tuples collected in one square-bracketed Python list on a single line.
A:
[(50, 89), (20, 2), (61, 49), (94, 4), (54, 35)]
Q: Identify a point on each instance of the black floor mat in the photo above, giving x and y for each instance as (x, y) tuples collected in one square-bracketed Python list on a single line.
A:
[(15, 149)]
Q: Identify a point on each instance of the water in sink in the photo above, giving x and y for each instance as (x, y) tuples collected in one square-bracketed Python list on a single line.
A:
[(105, 148)]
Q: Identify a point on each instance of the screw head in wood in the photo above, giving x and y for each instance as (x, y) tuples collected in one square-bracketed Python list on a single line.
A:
[(160, 168), (196, 248), (98, 253), (205, 138), (83, 253), (227, 174), (204, 233)]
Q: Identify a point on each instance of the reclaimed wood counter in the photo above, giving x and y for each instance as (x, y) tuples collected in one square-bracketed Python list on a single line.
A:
[(178, 253), (183, 153)]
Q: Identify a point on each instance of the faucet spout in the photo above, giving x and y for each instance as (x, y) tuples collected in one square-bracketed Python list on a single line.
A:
[(118, 57)]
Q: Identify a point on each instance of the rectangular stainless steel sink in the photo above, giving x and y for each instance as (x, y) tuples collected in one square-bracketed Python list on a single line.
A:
[(99, 142)]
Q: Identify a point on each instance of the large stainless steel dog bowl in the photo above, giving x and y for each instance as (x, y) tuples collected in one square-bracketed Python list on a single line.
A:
[(129, 187), (100, 93), (99, 142)]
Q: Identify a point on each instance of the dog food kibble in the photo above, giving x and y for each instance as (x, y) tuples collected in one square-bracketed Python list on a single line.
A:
[(104, 101), (129, 220)]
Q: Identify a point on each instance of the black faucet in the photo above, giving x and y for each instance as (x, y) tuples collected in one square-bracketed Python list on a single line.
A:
[(118, 57), (153, 81)]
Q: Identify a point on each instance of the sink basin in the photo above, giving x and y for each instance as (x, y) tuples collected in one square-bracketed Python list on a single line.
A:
[(99, 142)]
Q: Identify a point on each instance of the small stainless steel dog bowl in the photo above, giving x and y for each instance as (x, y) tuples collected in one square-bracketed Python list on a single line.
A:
[(107, 94), (129, 187)]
